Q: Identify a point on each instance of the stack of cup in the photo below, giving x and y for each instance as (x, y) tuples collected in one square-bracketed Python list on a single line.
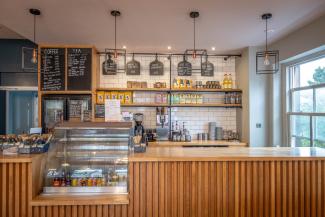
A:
[(212, 130), (219, 134)]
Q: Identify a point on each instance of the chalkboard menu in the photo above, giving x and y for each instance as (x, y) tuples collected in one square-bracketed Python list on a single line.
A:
[(207, 69), (133, 67), (52, 69), (156, 68), (79, 68), (99, 111), (75, 108), (184, 68)]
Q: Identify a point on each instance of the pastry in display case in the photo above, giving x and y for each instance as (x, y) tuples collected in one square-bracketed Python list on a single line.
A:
[(88, 158)]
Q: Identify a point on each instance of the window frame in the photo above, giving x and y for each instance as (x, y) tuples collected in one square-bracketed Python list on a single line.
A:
[(290, 68)]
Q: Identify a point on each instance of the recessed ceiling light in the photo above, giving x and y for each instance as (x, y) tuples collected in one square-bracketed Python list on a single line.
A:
[(169, 47), (124, 47), (213, 48), (269, 30)]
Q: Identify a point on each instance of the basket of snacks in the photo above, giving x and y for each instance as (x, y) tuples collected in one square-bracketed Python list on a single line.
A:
[(34, 144)]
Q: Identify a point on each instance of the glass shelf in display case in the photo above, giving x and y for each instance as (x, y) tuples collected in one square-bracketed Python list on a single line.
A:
[(88, 158)]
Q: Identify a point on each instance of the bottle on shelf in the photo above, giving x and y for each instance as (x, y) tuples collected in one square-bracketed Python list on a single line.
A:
[(230, 82), (225, 81)]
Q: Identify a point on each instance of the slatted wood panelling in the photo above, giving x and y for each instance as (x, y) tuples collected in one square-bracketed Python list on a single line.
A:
[(15, 189), (226, 189), (81, 211), (222, 189)]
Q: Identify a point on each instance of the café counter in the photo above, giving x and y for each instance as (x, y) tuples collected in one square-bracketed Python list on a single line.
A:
[(178, 181)]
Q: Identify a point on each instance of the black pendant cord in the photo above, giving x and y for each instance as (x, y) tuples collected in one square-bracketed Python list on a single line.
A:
[(34, 29), (266, 35), (115, 33), (194, 34)]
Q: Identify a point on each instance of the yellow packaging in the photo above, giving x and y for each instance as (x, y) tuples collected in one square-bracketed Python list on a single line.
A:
[(107, 95), (114, 95), (121, 97), (100, 97), (128, 97)]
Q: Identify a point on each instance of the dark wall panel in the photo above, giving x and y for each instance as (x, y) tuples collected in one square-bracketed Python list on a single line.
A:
[(2, 112), (11, 69), (11, 54)]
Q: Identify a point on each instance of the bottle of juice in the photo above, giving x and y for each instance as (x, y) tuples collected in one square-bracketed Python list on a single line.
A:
[(230, 81), (225, 81)]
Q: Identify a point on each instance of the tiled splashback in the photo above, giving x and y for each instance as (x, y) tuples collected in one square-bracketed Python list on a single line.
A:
[(196, 118)]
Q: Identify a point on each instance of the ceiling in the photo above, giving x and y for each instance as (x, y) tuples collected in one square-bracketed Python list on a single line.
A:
[(152, 25), (6, 33)]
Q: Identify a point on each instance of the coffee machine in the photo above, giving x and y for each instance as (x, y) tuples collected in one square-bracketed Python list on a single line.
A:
[(138, 128), (162, 127)]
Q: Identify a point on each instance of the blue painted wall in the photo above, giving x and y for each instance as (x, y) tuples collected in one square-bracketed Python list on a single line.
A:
[(11, 70)]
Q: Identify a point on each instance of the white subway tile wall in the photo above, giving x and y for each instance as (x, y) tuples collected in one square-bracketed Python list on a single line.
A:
[(196, 118)]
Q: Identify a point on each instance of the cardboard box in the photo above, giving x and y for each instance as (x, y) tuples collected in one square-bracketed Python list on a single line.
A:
[(100, 97), (107, 95), (121, 97), (128, 97)]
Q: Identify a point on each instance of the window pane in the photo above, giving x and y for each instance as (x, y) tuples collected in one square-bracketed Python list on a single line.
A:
[(319, 135), (300, 131), (312, 72), (302, 101), (320, 100)]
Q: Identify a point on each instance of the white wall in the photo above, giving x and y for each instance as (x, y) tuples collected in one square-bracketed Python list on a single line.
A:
[(308, 37), (256, 100), (196, 118), (242, 75)]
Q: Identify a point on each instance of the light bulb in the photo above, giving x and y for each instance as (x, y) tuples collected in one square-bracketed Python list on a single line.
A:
[(34, 58), (194, 54), (266, 60), (115, 54)]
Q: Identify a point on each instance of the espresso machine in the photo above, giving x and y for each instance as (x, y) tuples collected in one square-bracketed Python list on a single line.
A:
[(162, 127), (138, 128)]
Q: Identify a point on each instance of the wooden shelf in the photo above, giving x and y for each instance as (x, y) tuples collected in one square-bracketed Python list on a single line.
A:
[(171, 90), (204, 90), (144, 105), (135, 89), (208, 105), (66, 92), (64, 200), (182, 105)]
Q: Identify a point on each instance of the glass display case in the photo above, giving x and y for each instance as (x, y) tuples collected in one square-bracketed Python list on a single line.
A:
[(88, 158)]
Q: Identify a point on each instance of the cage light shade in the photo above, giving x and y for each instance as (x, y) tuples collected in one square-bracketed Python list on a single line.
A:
[(267, 62)]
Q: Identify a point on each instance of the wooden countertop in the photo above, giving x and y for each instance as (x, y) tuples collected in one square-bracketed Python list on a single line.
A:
[(18, 158), (196, 143), (99, 199), (226, 154)]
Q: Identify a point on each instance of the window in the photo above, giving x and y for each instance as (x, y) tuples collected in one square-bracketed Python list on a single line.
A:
[(306, 113)]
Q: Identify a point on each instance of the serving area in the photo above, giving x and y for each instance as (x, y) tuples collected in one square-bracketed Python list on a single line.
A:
[(178, 181), (227, 154)]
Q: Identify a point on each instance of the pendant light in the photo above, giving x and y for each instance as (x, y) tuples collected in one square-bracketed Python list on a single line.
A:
[(267, 62), (195, 52), (35, 13), (194, 15), (115, 14)]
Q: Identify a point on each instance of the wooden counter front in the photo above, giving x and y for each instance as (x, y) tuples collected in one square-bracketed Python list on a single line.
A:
[(21, 177), (191, 182)]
